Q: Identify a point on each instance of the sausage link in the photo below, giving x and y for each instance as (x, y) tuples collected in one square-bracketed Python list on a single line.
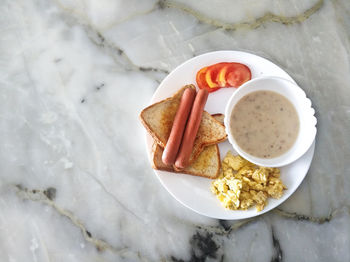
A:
[(172, 146), (191, 129)]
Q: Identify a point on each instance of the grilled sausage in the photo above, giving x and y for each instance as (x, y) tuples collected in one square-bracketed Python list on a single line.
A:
[(174, 141), (191, 130)]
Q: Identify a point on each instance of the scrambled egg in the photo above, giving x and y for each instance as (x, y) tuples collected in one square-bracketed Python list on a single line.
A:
[(242, 184)]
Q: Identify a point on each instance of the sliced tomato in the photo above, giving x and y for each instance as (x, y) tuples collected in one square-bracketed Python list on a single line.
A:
[(221, 77), (209, 76), (223, 74), (202, 82), (212, 73), (236, 74)]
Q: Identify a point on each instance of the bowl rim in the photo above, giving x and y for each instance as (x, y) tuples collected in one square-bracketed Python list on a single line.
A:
[(283, 159)]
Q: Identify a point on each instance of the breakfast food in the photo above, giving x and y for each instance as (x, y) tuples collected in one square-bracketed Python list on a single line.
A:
[(202, 81), (204, 157), (219, 117), (233, 74), (178, 127), (191, 130), (158, 119), (264, 124), (207, 164), (224, 74), (242, 184), (210, 132)]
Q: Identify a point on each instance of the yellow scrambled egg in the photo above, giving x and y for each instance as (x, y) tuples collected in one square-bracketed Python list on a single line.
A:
[(242, 184)]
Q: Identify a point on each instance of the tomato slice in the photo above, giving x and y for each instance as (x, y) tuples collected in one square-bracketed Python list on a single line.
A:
[(212, 73), (221, 77), (236, 74), (201, 80), (209, 76)]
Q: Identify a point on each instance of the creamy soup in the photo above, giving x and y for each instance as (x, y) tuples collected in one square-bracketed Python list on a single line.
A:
[(264, 124)]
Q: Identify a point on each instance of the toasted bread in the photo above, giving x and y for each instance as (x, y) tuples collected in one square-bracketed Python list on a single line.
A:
[(158, 120), (207, 164), (219, 117), (210, 132)]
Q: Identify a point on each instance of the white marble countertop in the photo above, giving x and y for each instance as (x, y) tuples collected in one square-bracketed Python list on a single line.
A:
[(75, 180)]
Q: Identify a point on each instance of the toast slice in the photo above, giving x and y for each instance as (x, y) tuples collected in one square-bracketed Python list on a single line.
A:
[(158, 120), (207, 164), (219, 117)]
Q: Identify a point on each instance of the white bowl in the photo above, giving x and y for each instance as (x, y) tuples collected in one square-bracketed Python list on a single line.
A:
[(307, 128)]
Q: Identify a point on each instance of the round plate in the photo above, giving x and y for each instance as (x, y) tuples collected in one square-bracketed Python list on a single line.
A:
[(194, 192)]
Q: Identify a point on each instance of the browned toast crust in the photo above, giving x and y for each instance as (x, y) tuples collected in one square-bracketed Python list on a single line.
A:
[(219, 117), (198, 147), (193, 169)]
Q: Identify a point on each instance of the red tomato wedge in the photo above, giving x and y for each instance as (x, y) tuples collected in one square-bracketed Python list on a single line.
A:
[(223, 74), (201, 80)]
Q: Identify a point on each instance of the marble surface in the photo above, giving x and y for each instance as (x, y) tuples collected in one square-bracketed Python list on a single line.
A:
[(75, 180)]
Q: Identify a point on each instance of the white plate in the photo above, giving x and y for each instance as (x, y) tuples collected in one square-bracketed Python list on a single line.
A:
[(194, 192)]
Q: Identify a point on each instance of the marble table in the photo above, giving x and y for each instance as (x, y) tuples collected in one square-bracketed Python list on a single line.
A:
[(75, 180)]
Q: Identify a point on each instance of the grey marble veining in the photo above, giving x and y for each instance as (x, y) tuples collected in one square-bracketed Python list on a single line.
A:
[(75, 181)]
